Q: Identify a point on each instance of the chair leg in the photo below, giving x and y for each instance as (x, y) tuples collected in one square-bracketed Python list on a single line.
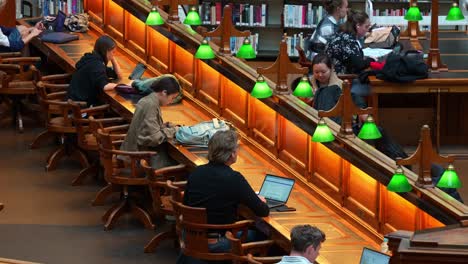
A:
[(85, 172), (142, 215), (43, 136), (54, 158), (114, 214), (154, 243), (79, 155), (104, 193)]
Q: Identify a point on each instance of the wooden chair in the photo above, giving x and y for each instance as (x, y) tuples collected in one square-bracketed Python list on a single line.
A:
[(48, 88), (130, 175), (259, 248), (165, 183), (193, 237), (59, 123), (16, 84), (118, 133), (86, 139)]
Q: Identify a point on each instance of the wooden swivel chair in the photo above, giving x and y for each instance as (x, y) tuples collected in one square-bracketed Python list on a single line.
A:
[(259, 248), (165, 183), (193, 237), (131, 175), (16, 84)]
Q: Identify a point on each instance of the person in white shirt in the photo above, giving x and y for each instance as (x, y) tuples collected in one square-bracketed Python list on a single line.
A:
[(306, 241)]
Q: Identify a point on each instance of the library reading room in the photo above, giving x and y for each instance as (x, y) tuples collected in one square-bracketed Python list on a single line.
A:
[(186, 131)]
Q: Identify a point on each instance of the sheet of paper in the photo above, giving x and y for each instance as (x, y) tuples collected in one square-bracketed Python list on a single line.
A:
[(376, 53)]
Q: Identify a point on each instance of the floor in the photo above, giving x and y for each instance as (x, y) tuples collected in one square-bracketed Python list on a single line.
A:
[(47, 220)]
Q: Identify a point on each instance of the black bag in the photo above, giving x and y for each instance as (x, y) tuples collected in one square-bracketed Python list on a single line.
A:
[(404, 68)]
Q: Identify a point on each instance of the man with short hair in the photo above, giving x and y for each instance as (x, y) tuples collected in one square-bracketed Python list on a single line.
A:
[(306, 241)]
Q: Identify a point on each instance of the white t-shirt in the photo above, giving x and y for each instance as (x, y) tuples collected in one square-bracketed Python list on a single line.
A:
[(4, 40), (294, 259)]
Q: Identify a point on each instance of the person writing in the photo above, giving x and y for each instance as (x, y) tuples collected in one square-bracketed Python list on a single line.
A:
[(328, 26), (220, 189), (147, 130), (92, 76), (306, 242)]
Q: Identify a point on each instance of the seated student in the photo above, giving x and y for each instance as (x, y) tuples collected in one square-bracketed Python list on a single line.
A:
[(306, 242), (92, 76), (328, 26), (220, 189), (345, 49), (147, 130)]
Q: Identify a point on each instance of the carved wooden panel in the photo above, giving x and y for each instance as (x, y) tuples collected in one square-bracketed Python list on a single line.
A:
[(293, 146), (234, 103), (328, 171), (208, 86), (183, 63), (135, 31), (95, 11), (263, 124), (115, 21), (158, 51), (399, 213)]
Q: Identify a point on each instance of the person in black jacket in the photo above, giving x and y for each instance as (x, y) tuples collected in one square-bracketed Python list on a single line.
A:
[(220, 189), (92, 75)]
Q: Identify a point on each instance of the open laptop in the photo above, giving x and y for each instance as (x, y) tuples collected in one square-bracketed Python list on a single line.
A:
[(276, 190), (370, 256)]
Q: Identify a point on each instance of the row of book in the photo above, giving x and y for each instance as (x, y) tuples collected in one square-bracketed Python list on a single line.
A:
[(236, 42), (394, 12), (242, 14), (303, 16), (292, 42), (51, 7)]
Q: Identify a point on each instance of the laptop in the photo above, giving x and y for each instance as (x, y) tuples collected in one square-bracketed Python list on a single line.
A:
[(137, 71), (276, 190), (370, 256)]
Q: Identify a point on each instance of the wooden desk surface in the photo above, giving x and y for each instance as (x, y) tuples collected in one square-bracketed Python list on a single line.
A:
[(344, 242)]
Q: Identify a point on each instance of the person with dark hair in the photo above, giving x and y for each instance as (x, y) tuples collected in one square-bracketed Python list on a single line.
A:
[(306, 242), (220, 189), (328, 26), (147, 130), (92, 76)]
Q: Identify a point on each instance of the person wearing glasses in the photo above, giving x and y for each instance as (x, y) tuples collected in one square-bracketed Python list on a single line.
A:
[(306, 242)]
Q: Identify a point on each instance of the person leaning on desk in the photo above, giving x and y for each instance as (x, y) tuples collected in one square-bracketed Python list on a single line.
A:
[(92, 75)]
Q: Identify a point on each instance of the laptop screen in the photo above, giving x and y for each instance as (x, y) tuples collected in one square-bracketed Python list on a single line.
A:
[(276, 188), (370, 256)]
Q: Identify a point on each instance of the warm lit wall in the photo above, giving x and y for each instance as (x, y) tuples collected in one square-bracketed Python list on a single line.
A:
[(347, 186)]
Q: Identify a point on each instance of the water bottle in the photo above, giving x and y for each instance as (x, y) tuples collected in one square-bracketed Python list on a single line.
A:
[(384, 246)]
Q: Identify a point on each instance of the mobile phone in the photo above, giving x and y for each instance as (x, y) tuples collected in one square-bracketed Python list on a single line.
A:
[(285, 209)]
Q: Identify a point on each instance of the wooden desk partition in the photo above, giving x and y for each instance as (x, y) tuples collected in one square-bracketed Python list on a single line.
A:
[(348, 175)]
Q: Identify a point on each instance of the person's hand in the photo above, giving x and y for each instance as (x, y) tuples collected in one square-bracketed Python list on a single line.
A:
[(262, 198), (39, 26), (35, 32)]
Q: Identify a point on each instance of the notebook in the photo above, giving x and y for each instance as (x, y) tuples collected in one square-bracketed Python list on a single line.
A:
[(370, 256), (276, 190)]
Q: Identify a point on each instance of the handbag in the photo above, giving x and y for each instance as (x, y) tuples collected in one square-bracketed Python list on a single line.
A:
[(383, 38)]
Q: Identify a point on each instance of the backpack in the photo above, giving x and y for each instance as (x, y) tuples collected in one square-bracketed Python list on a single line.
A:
[(199, 134), (404, 68)]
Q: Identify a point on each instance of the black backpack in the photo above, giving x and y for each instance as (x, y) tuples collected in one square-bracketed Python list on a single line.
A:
[(404, 68)]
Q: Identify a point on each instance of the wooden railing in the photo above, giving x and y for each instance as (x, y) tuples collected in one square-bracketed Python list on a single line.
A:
[(349, 174)]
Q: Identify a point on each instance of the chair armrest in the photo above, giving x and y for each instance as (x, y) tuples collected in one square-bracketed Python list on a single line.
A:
[(56, 77), (10, 68), (258, 244), (95, 109), (55, 87), (110, 120), (237, 225), (57, 95), (263, 260), (9, 54), (117, 128), (171, 169), (133, 154), (21, 60)]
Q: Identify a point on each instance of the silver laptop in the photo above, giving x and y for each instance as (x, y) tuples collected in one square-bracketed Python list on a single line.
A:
[(370, 256), (276, 190)]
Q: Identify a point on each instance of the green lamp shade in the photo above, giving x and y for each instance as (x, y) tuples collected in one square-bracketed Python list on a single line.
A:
[(193, 18), (261, 89), (154, 18), (369, 130), (449, 178), (322, 133), (455, 13), (303, 89), (399, 182), (205, 52), (413, 14), (246, 51)]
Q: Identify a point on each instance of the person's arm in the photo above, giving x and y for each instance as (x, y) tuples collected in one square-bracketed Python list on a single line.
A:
[(356, 59), (249, 198), (34, 32), (153, 132), (116, 67)]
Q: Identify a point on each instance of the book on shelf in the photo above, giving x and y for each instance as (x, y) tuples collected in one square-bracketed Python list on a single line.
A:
[(243, 14), (52, 7), (302, 16)]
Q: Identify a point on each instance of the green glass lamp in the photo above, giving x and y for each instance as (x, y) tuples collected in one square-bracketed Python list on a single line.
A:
[(369, 130), (205, 52), (193, 18), (413, 14), (399, 182), (304, 89), (322, 133), (246, 51), (455, 13), (261, 89), (449, 178), (154, 18)]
